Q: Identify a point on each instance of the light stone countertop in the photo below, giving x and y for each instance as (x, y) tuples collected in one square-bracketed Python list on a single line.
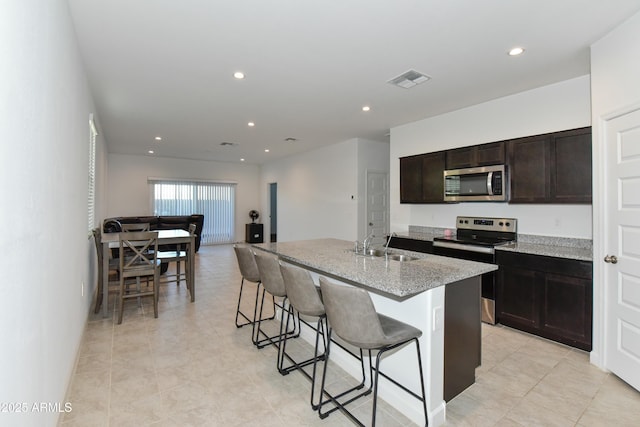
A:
[(560, 247), (397, 280), (568, 252)]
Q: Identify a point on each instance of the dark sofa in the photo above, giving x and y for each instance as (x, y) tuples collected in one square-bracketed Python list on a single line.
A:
[(111, 225)]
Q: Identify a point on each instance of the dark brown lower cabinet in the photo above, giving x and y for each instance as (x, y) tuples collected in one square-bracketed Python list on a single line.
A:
[(546, 296), (409, 244)]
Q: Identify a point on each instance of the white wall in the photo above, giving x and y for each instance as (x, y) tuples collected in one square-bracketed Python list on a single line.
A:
[(321, 192), (615, 67), (372, 156), (560, 106), (44, 149), (128, 189)]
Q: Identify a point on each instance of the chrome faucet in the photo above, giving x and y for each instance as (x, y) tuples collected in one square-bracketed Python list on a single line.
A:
[(386, 247), (365, 243)]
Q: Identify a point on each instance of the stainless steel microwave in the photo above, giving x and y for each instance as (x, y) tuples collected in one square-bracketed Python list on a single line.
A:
[(481, 184)]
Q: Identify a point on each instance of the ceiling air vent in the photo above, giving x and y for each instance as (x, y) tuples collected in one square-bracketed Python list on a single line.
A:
[(227, 144), (409, 79)]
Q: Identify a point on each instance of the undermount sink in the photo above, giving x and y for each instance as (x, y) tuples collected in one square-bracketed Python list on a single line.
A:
[(390, 256), (401, 257), (374, 252)]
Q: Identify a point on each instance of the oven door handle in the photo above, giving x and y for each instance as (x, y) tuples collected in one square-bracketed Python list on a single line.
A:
[(463, 247)]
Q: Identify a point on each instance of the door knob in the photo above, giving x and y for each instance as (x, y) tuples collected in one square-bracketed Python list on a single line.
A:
[(612, 259), (370, 224)]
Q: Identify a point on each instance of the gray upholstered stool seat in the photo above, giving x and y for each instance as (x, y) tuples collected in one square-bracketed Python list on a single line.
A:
[(273, 283), (352, 316), (250, 273)]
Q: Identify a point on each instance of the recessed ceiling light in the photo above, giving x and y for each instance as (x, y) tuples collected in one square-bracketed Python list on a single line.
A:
[(516, 51), (251, 124), (158, 138), (238, 75), (266, 150), (242, 160), (366, 108), (150, 151)]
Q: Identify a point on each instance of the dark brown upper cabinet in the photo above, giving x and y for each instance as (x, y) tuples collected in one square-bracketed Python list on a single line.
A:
[(421, 178), (571, 177), (551, 168), (411, 179), (476, 155)]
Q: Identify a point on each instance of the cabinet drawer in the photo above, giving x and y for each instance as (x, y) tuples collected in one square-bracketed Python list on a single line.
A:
[(546, 264)]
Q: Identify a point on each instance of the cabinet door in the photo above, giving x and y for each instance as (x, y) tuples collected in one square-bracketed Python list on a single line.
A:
[(460, 158), (529, 169), (433, 177), (477, 155), (571, 174), (567, 310), (411, 179), (518, 298), (490, 154)]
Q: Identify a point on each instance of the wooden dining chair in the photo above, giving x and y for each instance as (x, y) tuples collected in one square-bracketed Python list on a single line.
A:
[(138, 226), (178, 255), (113, 268), (138, 260)]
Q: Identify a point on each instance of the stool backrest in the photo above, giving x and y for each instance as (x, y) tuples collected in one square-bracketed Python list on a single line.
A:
[(269, 269), (352, 315), (247, 263), (302, 292)]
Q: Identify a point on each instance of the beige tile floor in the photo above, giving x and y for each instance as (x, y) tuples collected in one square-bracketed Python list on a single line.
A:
[(193, 367)]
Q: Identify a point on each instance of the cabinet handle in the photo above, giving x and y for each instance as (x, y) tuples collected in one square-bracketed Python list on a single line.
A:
[(611, 259)]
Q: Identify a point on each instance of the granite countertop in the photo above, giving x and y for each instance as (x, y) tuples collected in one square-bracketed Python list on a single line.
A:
[(560, 247), (579, 250), (397, 280)]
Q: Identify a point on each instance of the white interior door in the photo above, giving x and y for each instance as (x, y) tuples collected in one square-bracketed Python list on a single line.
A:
[(377, 193), (622, 273)]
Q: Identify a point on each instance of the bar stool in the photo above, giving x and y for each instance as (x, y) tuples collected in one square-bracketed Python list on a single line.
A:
[(273, 283), (250, 273), (353, 318), (304, 299)]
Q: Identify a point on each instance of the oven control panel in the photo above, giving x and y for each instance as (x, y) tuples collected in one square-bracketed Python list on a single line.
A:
[(488, 224)]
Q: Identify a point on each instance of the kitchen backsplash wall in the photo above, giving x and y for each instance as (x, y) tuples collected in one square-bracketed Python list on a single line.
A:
[(560, 106)]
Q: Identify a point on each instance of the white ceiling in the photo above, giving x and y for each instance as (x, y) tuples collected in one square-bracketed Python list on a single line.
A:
[(165, 67)]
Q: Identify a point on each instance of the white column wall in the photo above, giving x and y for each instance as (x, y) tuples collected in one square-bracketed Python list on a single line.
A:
[(317, 193), (560, 106), (44, 150), (372, 156)]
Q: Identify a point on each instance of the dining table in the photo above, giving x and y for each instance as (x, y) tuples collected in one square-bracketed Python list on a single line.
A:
[(175, 236)]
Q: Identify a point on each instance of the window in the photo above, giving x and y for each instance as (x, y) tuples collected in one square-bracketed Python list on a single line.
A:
[(215, 200), (91, 192)]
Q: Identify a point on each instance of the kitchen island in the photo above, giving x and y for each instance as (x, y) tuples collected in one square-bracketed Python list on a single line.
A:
[(438, 295)]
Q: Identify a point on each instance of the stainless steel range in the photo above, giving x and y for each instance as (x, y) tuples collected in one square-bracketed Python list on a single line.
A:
[(475, 240)]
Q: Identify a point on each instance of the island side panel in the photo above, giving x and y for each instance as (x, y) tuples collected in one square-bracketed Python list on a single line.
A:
[(462, 335)]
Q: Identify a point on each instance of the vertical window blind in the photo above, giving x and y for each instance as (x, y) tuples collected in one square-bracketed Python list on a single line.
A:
[(91, 194), (215, 200)]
